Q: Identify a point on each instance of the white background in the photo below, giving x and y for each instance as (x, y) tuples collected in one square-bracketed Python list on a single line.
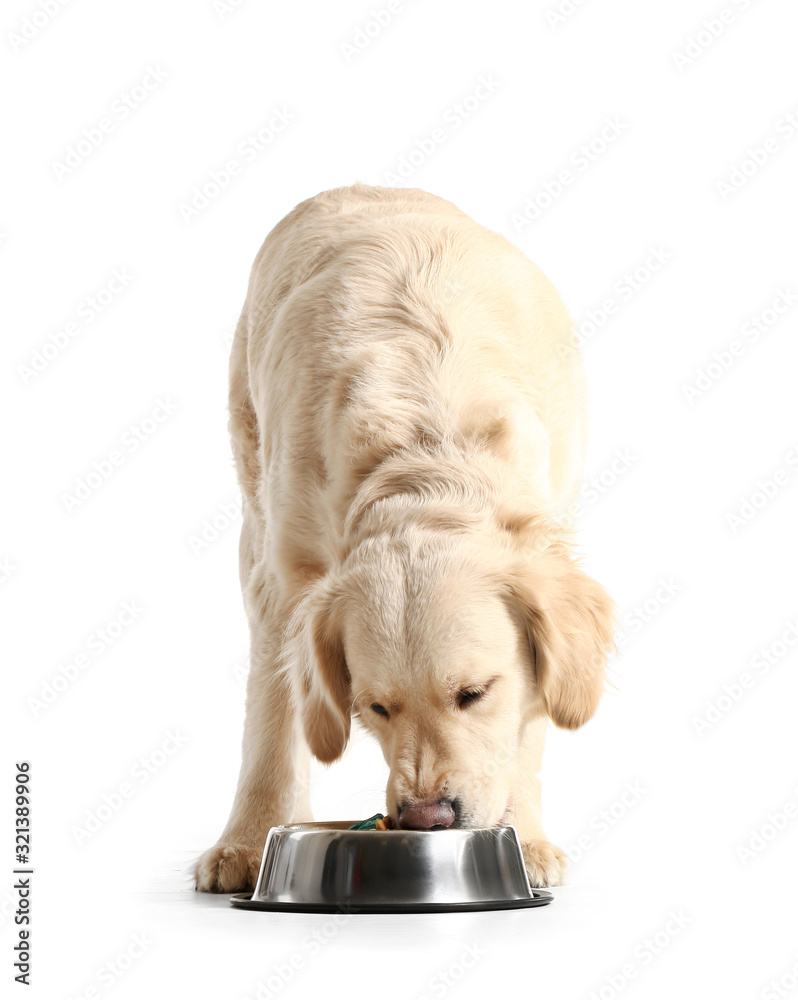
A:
[(711, 594)]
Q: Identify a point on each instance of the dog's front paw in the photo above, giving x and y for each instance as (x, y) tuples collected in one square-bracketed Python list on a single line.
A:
[(228, 868), (545, 864)]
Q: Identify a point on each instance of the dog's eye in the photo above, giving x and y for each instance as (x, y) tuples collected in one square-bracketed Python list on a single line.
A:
[(465, 699), (380, 710)]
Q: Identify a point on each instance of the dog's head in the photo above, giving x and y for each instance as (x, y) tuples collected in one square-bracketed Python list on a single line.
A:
[(446, 655)]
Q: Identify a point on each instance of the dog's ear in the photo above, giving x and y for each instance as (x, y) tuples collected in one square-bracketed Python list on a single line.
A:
[(318, 672), (569, 622)]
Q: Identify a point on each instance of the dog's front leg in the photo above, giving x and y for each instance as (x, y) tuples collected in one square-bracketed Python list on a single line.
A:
[(273, 785), (546, 864)]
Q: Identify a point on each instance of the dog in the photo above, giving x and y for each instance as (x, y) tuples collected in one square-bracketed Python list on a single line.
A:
[(408, 420)]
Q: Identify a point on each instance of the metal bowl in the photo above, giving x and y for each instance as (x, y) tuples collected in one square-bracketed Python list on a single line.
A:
[(327, 868)]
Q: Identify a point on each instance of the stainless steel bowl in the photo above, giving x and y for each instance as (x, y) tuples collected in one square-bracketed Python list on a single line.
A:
[(327, 868)]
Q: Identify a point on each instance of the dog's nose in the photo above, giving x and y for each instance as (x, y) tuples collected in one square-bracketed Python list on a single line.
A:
[(426, 815)]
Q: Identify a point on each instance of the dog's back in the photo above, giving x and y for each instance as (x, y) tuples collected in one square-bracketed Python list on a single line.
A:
[(376, 317)]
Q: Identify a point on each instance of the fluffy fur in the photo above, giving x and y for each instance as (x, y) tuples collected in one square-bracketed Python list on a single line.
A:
[(408, 421)]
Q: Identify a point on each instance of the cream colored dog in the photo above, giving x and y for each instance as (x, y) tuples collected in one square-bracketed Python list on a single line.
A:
[(407, 412)]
